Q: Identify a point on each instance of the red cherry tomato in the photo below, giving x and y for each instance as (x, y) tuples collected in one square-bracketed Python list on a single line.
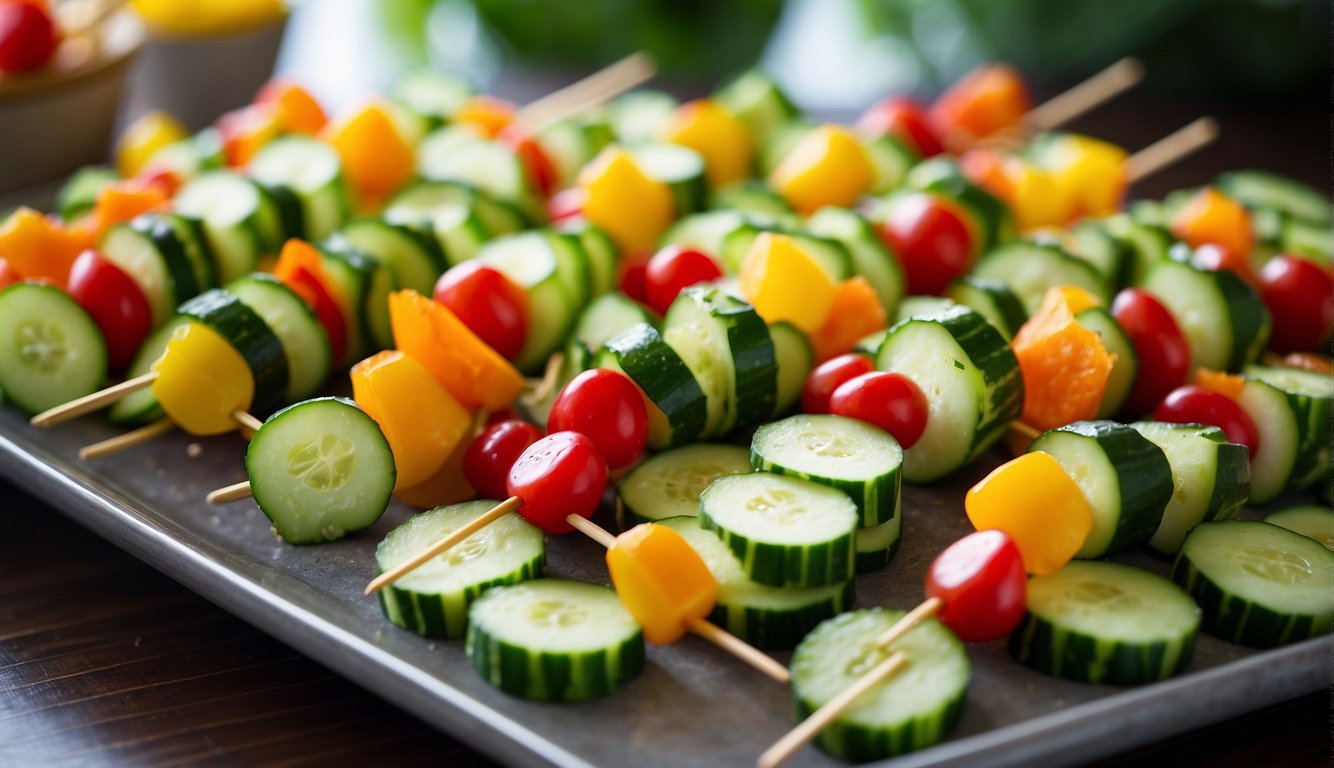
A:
[(306, 285), (933, 239), (28, 37), (982, 581), (827, 377), (606, 407), (115, 302), (7, 275), (1163, 352), (1300, 296), (487, 461), (1195, 405), (632, 281), (541, 171), (890, 401), (672, 270), (566, 205), (904, 118), (562, 474), (1214, 257), (487, 302)]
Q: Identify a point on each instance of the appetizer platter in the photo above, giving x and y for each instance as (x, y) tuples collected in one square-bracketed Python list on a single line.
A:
[(784, 381)]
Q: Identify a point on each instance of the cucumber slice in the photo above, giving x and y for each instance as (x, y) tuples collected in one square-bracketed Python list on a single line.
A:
[(852, 456), (433, 599), (914, 708), (1125, 478), (570, 143), (756, 99), (604, 260), (991, 299), (79, 193), (415, 260), (141, 407), (752, 197), (1258, 584), (319, 470), (1313, 241), (1278, 418), (250, 336), (972, 384), (670, 483), (1029, 271), (51, 350), (361, 286), (770, 618), (231, 209), (1265, 190), (554, 640), (877, 545), (1313, 522), (485, 164), (680, 168), (1146, 244), (1225, 322), (920, 306), (304, 341), (1126, 365), (531, 260), (314, 174), (704, 231), (640, 115), (433, 95), (607, 317), (778, 142), (677, 406), (450, 213), (943, 176), (1212, 478), (796, 360), (784, 530), (870, 257), (891, 159), (1091, 242), (1311, 395), (1106, 623), (826, 251), (150, 253)]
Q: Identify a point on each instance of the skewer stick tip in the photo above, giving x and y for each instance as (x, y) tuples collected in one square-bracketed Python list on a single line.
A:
[(444, 543), (230, 493)]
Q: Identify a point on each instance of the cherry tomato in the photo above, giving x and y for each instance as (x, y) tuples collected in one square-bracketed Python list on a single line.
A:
[(933, 239), (905, 119), (28, 36), (1213, 258), (7, 275), (982, 581), (827, 377), (562, 474), (487, 461), (1300, 296), (606, 407), (672, 270), (632, 281), (115, 302), (1194, 405), (568, 204), (890, 401), (489, 303), (1163, 352), (541, 171)]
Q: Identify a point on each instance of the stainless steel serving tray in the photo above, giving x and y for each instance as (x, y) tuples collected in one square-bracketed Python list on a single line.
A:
[(692, 706)]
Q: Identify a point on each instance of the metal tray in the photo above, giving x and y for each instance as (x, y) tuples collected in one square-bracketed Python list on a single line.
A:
[(692, 706)]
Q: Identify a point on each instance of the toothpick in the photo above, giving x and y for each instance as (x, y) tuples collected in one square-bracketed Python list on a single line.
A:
[(1094, 91), (598, 87), (230, 493), (449, 540), (1171, 148), (89, 403), (119, 443), (550, 377)]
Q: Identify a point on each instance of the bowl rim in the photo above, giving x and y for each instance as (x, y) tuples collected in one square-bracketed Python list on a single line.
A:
[(46, 81)]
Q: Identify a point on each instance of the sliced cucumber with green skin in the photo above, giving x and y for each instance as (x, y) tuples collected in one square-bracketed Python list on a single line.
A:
[(607, 317), (304, 341), (871, 258), (877, 545), (1225, 322), (249, 335), (992, 299), (604, 260), (141, 406), (190, 234), (415, 259), (678, 408), (1259, 584), (485, 164), (704, 231), (796, 359), (577, 360), (362, 287), (554, 640), (912, 709), (51, 350), (314, 174), (1277, 416), (751, 196), (1311, 521), (826, 251), (1311, 395), (756, 99), (770, 618), (432, 95), (149, 251), (572, 264), (570, 143), (787, 532), (1211, 477), (921, 306), (1147, 245), (1125, 478), (432, 600), (1106, 623), (855, 457), (971, 381), (1310, 240), (530, 260), (891, 159), (79, 193), (1090, 241), (1126, 365), (640, 115), (232, 211), (1262, 189), (319, 470), (779, 141), (680, 168), (869, 344), (669, 484), (942, 175), (1031, 270)]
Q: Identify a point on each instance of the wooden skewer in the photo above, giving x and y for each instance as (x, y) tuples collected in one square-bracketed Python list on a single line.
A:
[(444, 543), (230, 493), (547, 384), (592, 90), (89, 403), (114, 445), (246, 420), (1171, 148), (1099, 88)]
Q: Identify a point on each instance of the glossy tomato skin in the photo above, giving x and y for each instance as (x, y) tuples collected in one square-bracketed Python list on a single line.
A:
[(561, 474), (606, 407), (1163, 352), (905, 119), (890, 401), (487, 461), (28, 36), (932, 238), (672, 270), (1195, 405), (828, 376), (982, 582), (633, 280), (489, 303), (115, 303), (1300, 297)]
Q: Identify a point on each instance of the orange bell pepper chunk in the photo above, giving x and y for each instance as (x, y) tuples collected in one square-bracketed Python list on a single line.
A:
[(661, 580), (1034, 500), (121, 202), (1065, 366), (988, 100), (376, 157), (38, 248), (621, 199), (718, 136), (300, 268), (245, 131), (471, 370), (488, 113), (783, 282), (827, 167), (7, 275), (1226, 384), (1212, 217), (297, 111), (855, 314), (446, 486)]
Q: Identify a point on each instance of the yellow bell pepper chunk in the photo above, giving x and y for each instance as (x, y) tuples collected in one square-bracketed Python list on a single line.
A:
[(143, 138), (1037, 197), (784, 282), (719, 136), (621, 199), (421, 420), (1038, 504), (661, 580), (827, 167), (1091, 172), (202, 380)]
